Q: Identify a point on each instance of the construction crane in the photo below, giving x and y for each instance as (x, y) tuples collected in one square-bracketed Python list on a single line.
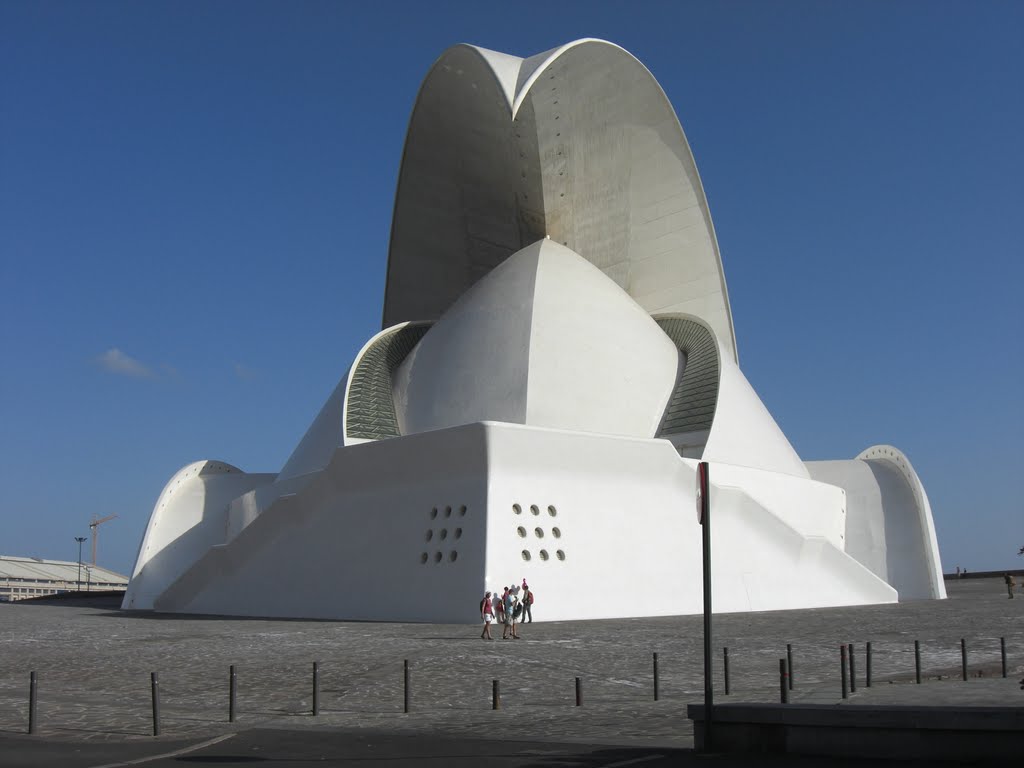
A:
[(92, 528)]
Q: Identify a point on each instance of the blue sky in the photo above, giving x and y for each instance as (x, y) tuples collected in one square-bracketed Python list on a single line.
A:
[(195, 202)]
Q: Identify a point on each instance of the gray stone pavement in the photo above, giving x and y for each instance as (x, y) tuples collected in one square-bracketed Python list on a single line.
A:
[(94, 664)]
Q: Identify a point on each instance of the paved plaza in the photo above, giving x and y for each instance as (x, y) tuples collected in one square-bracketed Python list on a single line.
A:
[(94, 667)]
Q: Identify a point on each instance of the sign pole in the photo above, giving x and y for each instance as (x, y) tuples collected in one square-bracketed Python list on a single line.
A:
[(704, 516)]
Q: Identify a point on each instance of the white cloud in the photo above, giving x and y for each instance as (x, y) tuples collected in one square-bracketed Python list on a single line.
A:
[(116, 361)]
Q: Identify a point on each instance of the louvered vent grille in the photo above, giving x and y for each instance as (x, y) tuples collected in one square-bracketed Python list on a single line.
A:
[(692, 405), (371, 406)]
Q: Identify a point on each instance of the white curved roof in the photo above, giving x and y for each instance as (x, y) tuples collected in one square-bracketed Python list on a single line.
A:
[(579, 144), (546, 340)]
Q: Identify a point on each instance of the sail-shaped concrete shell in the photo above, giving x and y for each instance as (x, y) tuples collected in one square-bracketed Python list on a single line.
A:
[(578, 144)]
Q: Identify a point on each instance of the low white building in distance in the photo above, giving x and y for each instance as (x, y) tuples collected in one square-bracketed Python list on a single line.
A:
[(22, 578), (557, 354)]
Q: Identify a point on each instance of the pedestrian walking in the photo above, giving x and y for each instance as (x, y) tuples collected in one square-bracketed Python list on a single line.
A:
[(486, 616)]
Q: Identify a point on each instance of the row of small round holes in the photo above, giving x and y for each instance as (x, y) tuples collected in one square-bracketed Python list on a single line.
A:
[(447, 512), (443, 534), (539, 532), (543, 554), (534, 510), (438, 557)]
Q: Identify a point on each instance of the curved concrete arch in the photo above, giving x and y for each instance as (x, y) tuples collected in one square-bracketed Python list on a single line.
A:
[(889, 527), (369, 394), (929, 542), (479, 182), (695, 397), (456, 214), (189, 517)]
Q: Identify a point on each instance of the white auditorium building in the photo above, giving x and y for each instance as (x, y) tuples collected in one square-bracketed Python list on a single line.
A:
[(557, 353)]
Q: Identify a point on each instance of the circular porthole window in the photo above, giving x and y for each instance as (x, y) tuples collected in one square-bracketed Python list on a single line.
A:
[(462, 511), (526, 555), (534, 509), (458, 533), (538, 532), (552, 511), (447, 511), (437, 557), (424, 557), (444, 534), (543, 554), (521, 531), (556, 532), (453, 556), (560, 555), (430, 535), (517, 509), (433, 513)]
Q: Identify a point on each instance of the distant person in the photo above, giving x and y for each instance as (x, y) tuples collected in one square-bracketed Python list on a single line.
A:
[(510, 617), (1010, 584), (486, 616), (958, 571), (527, 600), (499, 608)]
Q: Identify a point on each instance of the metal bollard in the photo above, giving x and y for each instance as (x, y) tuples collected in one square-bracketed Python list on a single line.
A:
[(31, 702), (789, 664), (154, 684), (917, 661), (783, 682), (579, 692), (495, 695), (405, 695), (655, 676), (725, 666), (867, 664), (316, 688), (963, 658), (853, 671), (842, 665), (1002, 652), (232, 693)]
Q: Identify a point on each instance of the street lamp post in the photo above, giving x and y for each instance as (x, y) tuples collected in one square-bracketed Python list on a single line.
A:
[(79, 539)]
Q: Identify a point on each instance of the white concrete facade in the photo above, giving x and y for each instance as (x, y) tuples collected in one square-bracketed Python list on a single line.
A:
[(557, 354)]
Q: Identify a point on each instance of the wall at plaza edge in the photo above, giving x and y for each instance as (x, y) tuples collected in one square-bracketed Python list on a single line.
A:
[(444, 529), (557, 355)]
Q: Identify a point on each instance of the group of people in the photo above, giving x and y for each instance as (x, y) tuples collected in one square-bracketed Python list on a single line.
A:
[(511, 608)]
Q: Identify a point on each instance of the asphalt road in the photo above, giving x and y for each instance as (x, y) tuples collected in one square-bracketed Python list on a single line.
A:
[(363, 749)]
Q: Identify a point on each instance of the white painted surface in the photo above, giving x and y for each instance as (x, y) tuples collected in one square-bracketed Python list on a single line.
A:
[(545, 339), (529, 405), (591, 153), (890, 527), (189, 517), (324, 435), (629, 528), (744, 433)]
